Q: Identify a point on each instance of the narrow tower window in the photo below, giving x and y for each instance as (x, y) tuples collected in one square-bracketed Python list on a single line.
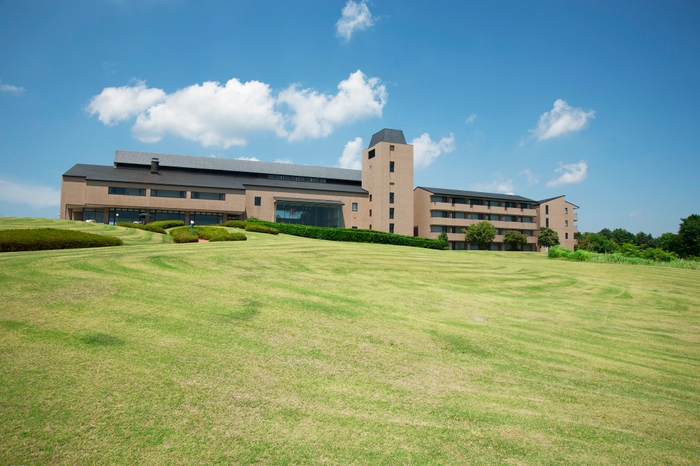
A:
[(391, 167)]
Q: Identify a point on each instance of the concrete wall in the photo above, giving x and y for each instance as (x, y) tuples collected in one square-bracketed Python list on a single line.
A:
[(562, 219)]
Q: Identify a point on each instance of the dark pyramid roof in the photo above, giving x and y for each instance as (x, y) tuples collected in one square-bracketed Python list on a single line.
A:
[(394, 136)]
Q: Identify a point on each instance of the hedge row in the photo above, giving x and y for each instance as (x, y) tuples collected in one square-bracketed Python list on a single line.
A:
[(138, 226), (39, 239), (183, 235), (558, 252), (253, 226), (352, 235), (165, 224)]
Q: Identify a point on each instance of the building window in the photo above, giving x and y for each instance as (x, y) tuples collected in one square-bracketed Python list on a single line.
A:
[(510, 204), (354, 227), (566, 223), (208, 196), (157, 215), (370, 154), (438, 213), (526, 219), (476, 217), (524, 206), (370, 214), (309, 214), (206, 218), (494, 203), (493, 217), (354, 206), (458, 215), (438, 199), (127, 191), (391, 166), (458, 245), (391, 148), (566, 210), (370, 198), (566, 236), (391, 212), (546, 222), (96, 215), (546, 210), (258, 200), (391, 228), (168, 193), (370, 226), (476, 202), (438, 229), (391, 198), (458, 200)]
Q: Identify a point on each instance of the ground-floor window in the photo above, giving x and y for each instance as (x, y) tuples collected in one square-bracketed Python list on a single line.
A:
[(473, 246), (495, 247), (206, 218), (98, 215), (158, 215), (309, 214), (126, 215), (458, 245)]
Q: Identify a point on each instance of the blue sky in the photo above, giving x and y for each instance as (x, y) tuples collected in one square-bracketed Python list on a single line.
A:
[(595, 100)]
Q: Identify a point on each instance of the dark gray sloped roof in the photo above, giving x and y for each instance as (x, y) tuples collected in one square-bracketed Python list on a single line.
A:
[(556, 197), (245, 166), (196, 179), (394, 136), (477, 195)]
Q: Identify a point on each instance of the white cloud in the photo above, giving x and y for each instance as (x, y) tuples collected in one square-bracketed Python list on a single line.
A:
[(355, 17), (471, 118), (225, 115), (115, 104), (17, 90), (212, 114), (251, 159), (636, 214), (532, 179), (497, 186), (34, 196), (352, 155), (561, 120), (316, 115), (426, 151), (284, 161), (571, 174)]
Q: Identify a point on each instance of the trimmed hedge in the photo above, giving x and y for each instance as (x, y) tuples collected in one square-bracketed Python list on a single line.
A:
[(138, 226), (165, 224), (182, 235), (256, 227), (237, 224), (39, 239), (351, 235)]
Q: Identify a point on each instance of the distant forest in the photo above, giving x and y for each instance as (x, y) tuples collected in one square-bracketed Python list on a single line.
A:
[(685, 244)]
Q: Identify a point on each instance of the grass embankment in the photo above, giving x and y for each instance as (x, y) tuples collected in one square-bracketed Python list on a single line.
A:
[(289, 350)]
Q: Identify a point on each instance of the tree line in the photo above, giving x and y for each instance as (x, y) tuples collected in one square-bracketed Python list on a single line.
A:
[(685, 244)]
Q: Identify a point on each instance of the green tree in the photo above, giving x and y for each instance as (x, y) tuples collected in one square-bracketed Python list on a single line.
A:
[(547, 238), (443, 237), (595, 242), (622, 236), (644, 240), (515, 239), (669, 242), (689, 233), (605, 233), (481, 233)]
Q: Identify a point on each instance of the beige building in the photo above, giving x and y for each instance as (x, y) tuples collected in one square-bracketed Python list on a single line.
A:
[(145, 187)]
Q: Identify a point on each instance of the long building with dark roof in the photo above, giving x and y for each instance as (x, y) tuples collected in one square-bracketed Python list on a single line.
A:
[(144, 187)]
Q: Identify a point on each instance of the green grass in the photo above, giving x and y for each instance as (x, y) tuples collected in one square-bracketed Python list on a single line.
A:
[(289, 350)]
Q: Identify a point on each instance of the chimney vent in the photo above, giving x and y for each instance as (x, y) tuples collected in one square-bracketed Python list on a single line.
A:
[(154, 165)]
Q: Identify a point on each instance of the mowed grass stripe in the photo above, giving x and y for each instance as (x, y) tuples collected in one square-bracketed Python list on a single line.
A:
[(290, 350)]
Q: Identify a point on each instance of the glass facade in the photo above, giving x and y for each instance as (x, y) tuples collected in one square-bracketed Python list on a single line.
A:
[(309, 214), (158, 215), (98, 215), (206, 218), (125, 215)]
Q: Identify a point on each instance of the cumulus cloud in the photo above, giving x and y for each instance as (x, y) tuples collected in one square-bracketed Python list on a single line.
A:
[(115, 104), (471, 118), (570, 174), (225, 115), (426, 151), (316, 115), (252, 159), (562, 119), (284, 161), (355, 17), (636, 214), (499, 185), (352, 155), (9, 88), (34, 196)]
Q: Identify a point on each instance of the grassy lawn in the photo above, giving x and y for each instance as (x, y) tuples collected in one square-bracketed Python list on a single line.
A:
[(288, 350)]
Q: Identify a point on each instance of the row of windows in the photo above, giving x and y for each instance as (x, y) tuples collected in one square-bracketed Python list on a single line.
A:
[(296, 178), (472, 202), (448, 229), (167, 193), (546, 210), (474, 216), (461, 246)]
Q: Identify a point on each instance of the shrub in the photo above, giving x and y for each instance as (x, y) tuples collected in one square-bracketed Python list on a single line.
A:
[(658, 255), (165, 224), (650, 256), (237, 224), (148, 227), (258, 228), (350, 235), (183, 235), (39, 239)]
